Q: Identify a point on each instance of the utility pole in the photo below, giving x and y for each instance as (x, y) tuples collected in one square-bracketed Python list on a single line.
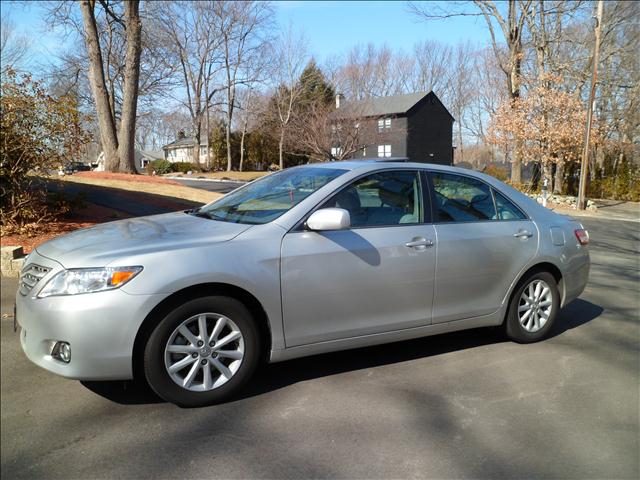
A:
[(582, 201)]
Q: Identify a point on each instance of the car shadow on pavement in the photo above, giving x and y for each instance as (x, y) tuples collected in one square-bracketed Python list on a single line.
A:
[(270, 377), (124, 392)]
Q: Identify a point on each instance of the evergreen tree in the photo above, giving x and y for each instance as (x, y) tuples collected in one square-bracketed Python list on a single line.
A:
[(314, 86)]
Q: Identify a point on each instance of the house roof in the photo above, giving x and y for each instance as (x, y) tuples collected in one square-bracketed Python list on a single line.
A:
[(381, 106), (183, 142), (155, 154)]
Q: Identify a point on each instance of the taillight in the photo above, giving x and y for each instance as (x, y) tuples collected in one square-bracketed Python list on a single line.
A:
[(583, 236)]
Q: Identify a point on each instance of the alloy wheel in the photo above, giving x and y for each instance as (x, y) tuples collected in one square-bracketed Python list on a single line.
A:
[(204, 352), (535, 305)]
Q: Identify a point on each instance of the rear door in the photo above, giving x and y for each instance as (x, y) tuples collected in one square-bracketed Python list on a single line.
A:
[(375, 277), (484, 241)]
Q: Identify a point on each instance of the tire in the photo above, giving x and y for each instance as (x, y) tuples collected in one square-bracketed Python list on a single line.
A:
[(526, 322), (176, 357)]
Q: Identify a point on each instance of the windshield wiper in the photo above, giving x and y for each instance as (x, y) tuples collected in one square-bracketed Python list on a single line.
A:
[(196, 212)]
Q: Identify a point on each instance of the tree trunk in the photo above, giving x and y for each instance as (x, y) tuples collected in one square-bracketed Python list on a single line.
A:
[(106, 122), (514, 87), (280, 147), (546, 174), (231, 97), (126, 148), (196, 147), (244, 132), (559, 180), (228, 138), (460, 147)]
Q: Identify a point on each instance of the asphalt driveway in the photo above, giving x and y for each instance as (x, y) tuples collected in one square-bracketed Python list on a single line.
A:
[(467, 404)]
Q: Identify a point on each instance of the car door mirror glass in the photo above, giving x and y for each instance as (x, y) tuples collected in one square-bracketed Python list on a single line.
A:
[(327, 219)]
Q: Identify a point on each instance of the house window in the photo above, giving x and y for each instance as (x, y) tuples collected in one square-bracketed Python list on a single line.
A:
[(384, 124), (384, 151), (336, 152)]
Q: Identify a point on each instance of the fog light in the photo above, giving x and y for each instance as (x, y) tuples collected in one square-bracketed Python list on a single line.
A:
[(61, 351)]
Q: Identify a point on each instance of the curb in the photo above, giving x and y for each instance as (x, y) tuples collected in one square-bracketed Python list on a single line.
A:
[(207, 180)]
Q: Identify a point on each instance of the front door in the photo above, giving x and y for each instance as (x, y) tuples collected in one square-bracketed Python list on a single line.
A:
[(375, 277)]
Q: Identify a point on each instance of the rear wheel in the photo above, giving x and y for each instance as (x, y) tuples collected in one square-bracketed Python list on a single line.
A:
[(202, 352), (533, 308)]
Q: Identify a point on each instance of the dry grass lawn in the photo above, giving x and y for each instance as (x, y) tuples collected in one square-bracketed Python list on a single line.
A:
[(241, 176), (164, 189)]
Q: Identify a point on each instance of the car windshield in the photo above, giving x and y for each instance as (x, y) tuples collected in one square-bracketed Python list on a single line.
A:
[(266, 199)]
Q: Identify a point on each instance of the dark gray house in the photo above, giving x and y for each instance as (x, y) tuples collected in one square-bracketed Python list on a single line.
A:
[(416, 125)]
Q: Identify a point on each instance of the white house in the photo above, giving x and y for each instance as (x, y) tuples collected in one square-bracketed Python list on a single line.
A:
[(182, 150), (142, 158)]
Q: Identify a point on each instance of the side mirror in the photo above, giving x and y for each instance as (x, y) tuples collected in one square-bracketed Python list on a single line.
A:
[(329, 219)]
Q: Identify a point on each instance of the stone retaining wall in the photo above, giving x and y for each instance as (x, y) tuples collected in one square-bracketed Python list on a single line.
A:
[(12, 259)]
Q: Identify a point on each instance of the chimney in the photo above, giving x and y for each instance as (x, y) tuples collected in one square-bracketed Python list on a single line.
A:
[(181, 135), (339, 99)]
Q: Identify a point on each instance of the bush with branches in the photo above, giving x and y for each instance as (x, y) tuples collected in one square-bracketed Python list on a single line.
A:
[(38, 132)]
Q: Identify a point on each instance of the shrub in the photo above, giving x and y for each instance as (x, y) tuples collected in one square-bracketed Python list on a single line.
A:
[(501, 173), (37, 133), (159, 166), (184, 167)]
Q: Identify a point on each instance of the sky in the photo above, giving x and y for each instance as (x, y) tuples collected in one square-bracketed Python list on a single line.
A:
[(331, 27)]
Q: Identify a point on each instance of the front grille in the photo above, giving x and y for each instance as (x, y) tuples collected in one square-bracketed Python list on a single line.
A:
[(30, 276)]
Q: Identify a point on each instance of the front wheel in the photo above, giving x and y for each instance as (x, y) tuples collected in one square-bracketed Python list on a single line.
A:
[(533, 308), (202, 352)]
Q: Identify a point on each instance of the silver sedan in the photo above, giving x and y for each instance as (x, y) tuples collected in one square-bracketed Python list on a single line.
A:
[(309, 260)]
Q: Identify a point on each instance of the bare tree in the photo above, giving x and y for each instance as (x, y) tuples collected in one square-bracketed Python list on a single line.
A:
[(249, 107), (291, 57), (432, 70), (242, 28), (156, 128), (510, 26), (194, 45), (117, 146), (461, 90), (14, 48), (370, 71), (326, 133)]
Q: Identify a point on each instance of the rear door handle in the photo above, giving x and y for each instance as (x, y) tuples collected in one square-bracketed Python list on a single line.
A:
[(523, 234), (419, 243)]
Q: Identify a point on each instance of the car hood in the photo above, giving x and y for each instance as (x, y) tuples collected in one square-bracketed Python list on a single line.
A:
[(104, 243)]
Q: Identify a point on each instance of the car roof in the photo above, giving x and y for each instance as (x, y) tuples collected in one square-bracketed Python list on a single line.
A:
[(374, 164)]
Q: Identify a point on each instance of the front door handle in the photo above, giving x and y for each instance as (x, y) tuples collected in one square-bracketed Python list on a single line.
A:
[(419, 243), (523, 234)]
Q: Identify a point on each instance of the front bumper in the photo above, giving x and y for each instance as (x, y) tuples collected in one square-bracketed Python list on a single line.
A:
[(99, 327)]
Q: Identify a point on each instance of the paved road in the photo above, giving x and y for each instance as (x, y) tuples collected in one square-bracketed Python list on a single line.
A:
[(210, 186), (461, 405)]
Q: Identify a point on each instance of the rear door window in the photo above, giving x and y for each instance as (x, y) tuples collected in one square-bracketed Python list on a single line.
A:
[(461, 199)]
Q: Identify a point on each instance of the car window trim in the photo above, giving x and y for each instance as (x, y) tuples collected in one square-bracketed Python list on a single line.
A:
[(299, 226)]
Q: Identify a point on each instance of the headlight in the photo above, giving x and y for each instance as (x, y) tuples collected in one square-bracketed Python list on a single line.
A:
[(88, 280)]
